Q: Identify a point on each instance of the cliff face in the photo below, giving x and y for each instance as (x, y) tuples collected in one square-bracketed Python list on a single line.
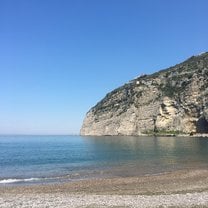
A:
[(171, 100)]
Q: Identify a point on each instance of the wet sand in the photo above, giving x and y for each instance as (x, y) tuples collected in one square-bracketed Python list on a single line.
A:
[(185, 188)]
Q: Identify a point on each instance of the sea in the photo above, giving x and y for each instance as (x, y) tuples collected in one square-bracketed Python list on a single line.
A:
[(26, 160)]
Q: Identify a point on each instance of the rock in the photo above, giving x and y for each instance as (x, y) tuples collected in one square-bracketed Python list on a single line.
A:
[(170, 101)]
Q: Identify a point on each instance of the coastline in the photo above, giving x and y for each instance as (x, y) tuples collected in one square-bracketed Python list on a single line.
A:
[(195, 135), (181, 188), (177, 135)]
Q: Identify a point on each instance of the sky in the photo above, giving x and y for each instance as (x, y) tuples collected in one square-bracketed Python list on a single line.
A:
[(58, 58)]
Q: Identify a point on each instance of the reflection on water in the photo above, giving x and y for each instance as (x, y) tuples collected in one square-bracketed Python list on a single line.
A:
[(80, 157), (150, 154)]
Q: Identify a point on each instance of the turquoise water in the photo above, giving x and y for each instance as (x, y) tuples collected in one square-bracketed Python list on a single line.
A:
[(46, 159)]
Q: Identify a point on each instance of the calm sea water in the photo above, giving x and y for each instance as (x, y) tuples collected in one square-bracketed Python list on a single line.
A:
[(46, 159)]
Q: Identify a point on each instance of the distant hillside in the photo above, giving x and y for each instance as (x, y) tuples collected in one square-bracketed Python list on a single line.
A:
[(170, 101)]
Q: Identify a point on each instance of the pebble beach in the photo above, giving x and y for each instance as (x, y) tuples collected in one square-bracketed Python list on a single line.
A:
[(184, 188)]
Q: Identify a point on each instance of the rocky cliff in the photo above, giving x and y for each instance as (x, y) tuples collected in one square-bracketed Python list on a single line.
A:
[(174, 100)]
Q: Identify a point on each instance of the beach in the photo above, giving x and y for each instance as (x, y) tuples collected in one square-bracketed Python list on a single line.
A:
[(183, 188)]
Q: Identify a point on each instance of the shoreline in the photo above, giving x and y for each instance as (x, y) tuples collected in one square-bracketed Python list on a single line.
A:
[(182, 188), (197, 135)]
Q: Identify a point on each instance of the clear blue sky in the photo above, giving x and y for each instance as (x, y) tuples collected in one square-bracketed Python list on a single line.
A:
[(58, 58)]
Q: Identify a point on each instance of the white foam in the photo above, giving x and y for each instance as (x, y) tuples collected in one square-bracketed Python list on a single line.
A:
[(10, 180)]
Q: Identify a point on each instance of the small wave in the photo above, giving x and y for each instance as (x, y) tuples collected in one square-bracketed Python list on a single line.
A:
[(10, 180)]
